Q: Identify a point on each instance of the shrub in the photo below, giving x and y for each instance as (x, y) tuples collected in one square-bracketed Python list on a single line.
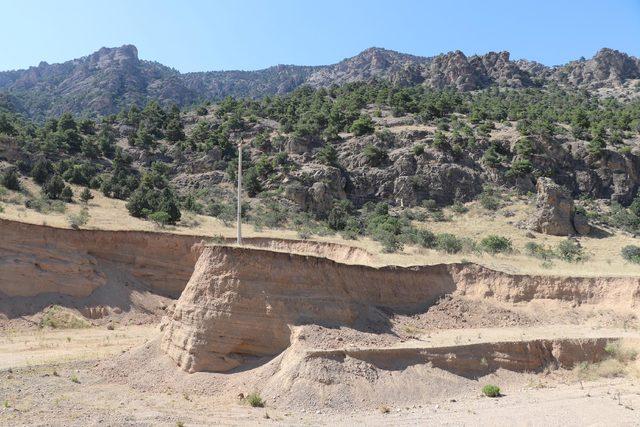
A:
[(66, 195), (362, 126), (459, 208), (78, 220), (10, 179), (375, 156), (491, 390), (631, 253), (448, 243), (391, 243), (520, 168), (539, 251), (418, 150), (489, 200), (160, 218), (53, 188), (339, 214), (425, 238), (86, 195), (570, 251), (496, 244), (328, 155), (255, 400)]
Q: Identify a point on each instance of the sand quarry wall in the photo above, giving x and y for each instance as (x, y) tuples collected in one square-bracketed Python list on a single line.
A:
[(241, 302), (38, 259)]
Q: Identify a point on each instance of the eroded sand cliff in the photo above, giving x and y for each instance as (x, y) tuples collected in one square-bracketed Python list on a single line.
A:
[(241, 303)]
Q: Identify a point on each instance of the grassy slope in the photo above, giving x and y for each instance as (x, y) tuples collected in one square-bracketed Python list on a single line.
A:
[(605, 259)]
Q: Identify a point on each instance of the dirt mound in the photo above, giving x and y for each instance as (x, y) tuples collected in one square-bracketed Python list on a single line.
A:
[(241, 303)]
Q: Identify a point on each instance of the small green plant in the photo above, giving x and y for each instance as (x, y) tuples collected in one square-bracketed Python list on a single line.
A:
[(570, 251), (631, 253), (459, 208), (255, 400), (86, 195), (78, 220), (74, 379), (448, 243), (489, 199), (6, 404), (491, 390), (495, 244), (160, 218), (180, 423), (539, 251)]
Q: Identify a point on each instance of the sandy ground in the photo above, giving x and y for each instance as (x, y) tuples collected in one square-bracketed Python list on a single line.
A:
[(49, 379), (603, 250), (29, 348)]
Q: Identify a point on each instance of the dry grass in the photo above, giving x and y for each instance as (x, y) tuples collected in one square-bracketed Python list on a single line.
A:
[(622, 361), (605, 258)]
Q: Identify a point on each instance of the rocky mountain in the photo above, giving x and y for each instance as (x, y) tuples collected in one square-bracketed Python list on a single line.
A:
[(112, 78)]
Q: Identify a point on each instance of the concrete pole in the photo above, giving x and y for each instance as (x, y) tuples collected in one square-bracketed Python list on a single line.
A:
[(239, 219)]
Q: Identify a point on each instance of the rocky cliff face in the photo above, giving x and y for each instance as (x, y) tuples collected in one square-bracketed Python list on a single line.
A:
[(111, 78), (241, 303), (608, 67)]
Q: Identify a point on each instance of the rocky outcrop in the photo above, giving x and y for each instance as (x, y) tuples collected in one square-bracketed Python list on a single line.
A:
[(555, 212), (240, 303), (112, 78), (608, 67)]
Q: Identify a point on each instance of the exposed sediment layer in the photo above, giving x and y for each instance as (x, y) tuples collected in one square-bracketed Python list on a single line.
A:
[(240, 302), (38, 259)]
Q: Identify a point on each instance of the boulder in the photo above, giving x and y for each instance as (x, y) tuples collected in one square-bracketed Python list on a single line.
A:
[(555, 212)]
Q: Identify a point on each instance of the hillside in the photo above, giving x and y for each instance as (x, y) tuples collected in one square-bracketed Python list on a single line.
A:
[(114, 78), (371, 160)]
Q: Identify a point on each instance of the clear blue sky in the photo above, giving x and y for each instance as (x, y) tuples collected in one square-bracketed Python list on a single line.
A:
[(252, 34)]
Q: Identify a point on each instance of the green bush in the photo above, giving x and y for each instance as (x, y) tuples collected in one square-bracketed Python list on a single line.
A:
[(539, 251), (10, 179), (425, 238), (67, 194), (362, 126), (631, 253), (86, 195), (496, 244), (54, 187), (328, 155), (255, 400), (491, 390), (459, 208), (375, 156), (489, 199), (160, 218), (391, 243), (78, 220), (570, 251), (448, 243), (418, 150)]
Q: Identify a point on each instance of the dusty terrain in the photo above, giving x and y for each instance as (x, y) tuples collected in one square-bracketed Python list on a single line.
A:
[(349, 340)]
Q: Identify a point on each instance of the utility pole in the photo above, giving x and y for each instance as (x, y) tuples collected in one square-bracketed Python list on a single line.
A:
[(239, 210)]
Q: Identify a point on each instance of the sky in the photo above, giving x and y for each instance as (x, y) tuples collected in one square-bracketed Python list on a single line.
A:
[(253, 34)]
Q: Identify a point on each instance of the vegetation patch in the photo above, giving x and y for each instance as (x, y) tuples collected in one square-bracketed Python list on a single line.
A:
[(491, 390), (58, 317)]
